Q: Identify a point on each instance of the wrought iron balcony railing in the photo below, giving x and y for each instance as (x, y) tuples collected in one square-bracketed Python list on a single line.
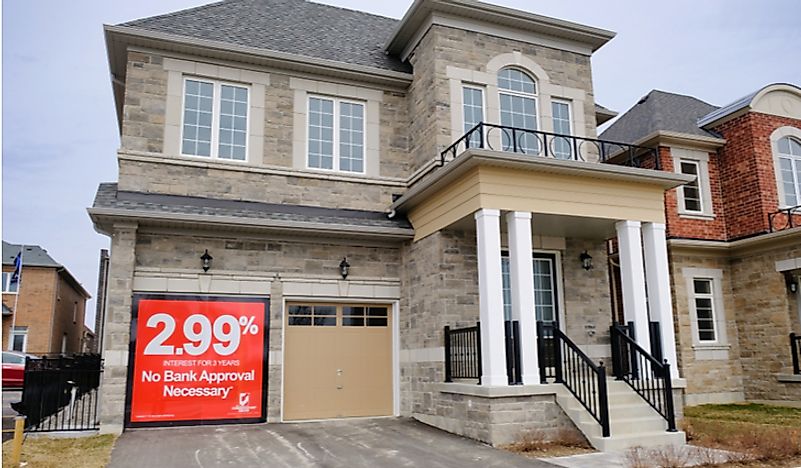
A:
[(786, 218), (551, 145)]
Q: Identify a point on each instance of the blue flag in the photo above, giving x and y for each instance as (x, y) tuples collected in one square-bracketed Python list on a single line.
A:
[(17, 268)]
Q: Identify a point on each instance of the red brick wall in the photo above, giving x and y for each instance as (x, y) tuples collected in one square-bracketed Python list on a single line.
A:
[(693, 228), (747, 173)]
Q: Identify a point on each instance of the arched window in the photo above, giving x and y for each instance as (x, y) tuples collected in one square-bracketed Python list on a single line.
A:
[(518, 97), (790, 170)]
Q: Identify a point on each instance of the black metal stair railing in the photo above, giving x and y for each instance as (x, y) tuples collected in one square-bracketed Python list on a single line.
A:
[(795, 351), (646, 375), (576, 371), (551, 145), (463, 353)]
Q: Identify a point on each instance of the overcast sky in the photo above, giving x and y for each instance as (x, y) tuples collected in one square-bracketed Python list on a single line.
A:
[(60, 133)]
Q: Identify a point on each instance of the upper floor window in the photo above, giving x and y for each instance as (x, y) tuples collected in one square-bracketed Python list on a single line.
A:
[(215, 120), (518, 98), (336, 139), (694, 199), (691, 190), (473, 112), (19, 339), (561, 147), (790, 170), (9, 286)]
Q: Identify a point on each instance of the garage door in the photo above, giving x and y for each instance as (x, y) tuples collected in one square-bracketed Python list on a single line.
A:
[(337, 361)]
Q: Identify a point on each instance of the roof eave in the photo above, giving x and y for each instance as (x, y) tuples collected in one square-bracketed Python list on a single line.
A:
[(667, 137), (420, 10)]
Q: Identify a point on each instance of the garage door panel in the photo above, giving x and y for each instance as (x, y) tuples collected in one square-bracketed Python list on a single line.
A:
[(339, 371)]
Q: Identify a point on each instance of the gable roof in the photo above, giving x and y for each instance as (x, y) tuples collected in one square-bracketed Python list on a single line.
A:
[(292, 26), (660, 111)]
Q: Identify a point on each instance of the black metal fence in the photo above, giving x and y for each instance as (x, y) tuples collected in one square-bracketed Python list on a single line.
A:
[(463, 353), (61, 393), (576, 371), (551, 145), (786, 218), (646, 375), (795, 351)]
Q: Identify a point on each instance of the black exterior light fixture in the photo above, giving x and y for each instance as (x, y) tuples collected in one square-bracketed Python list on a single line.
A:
[(586, 260), (344, 268), (205, 260), (792, 282)]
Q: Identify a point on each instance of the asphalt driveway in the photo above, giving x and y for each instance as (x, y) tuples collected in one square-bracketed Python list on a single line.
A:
[(346, 443)]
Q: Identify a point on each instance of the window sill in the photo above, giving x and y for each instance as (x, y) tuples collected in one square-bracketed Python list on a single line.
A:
[(699, 216), (789, 378), (711, 352)]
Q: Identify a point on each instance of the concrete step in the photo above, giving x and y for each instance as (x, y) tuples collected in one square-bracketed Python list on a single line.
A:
[(648, 439)]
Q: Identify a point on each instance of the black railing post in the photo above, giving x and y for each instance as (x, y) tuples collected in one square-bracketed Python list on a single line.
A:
[(671, 415), (617, 358), (557, 355), (516, 337), (576, 149), (794, 353), (448, 376), (656, 340), (509, 345), (603, 401), (541, 353), (481, 135), (633, 364), (514, 140), (478, 352)]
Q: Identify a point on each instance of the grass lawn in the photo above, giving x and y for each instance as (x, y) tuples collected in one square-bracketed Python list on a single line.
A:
[(51, 452), (768, 435)]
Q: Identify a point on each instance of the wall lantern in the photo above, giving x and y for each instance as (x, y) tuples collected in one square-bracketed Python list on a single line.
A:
[(586, 260), (205, 260), (792, 282), (344, 268)]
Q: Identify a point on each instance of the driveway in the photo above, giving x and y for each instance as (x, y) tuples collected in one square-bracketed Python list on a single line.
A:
[(347, 443)]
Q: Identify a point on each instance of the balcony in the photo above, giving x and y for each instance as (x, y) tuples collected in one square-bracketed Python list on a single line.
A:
[(551, 145), (786, 218)]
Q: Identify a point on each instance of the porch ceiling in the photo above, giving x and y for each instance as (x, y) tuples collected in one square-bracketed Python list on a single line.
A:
[(571, 198)]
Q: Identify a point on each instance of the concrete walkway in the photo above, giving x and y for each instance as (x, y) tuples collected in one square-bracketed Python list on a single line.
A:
[(365, 443), (689, 455)]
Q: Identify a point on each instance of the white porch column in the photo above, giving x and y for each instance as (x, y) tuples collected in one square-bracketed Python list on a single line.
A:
[(490, 290), (632, 277), (657, 277), (521, 273)]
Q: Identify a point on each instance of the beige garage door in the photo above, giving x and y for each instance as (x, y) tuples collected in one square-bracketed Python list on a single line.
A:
[(337, 361)]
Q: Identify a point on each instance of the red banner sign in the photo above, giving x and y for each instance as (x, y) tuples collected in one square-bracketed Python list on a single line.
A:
[(198, 359)]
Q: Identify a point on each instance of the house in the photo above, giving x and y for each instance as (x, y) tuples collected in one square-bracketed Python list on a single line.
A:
[(43, 312), (733, 237), (324, 213)]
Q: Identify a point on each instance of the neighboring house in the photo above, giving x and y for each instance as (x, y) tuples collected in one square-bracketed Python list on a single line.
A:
[(49, 304), (335, 164), (734, 236), (88, 343)]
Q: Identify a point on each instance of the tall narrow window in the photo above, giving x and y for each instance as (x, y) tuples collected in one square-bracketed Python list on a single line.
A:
[(473, 99), (704, 309), (790, 170), (561, 147), (215, 120), (691, 191), (19, 339), (518, 98), (336, 135)]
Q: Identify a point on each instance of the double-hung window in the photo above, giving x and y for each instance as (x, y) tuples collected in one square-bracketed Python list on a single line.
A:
[(215, 120), (8, 285), (561, 147), (19, 339), (473, 104), (704, 301), (790, 170), (518, 98), (691, 191), (336, 139)]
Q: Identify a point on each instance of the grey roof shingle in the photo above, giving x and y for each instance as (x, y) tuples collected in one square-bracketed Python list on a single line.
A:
[(32, 256), (291, 26), (109, 197), (660, 111)]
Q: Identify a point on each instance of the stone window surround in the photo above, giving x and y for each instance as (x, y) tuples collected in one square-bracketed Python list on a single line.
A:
[(488, 80), (702, 158), (257, 82), (777, 135), (719, 350), (372, 100)]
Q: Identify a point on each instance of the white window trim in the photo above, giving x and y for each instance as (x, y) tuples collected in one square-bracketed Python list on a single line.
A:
[(777, 135), (483, 105), (215, 120), (24, 339), (569, 105), (535, 95), (7, 283), (701, 158), (337, 101), (708, 350)]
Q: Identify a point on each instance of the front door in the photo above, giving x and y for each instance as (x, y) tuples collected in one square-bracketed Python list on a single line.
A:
[(545, 283)]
